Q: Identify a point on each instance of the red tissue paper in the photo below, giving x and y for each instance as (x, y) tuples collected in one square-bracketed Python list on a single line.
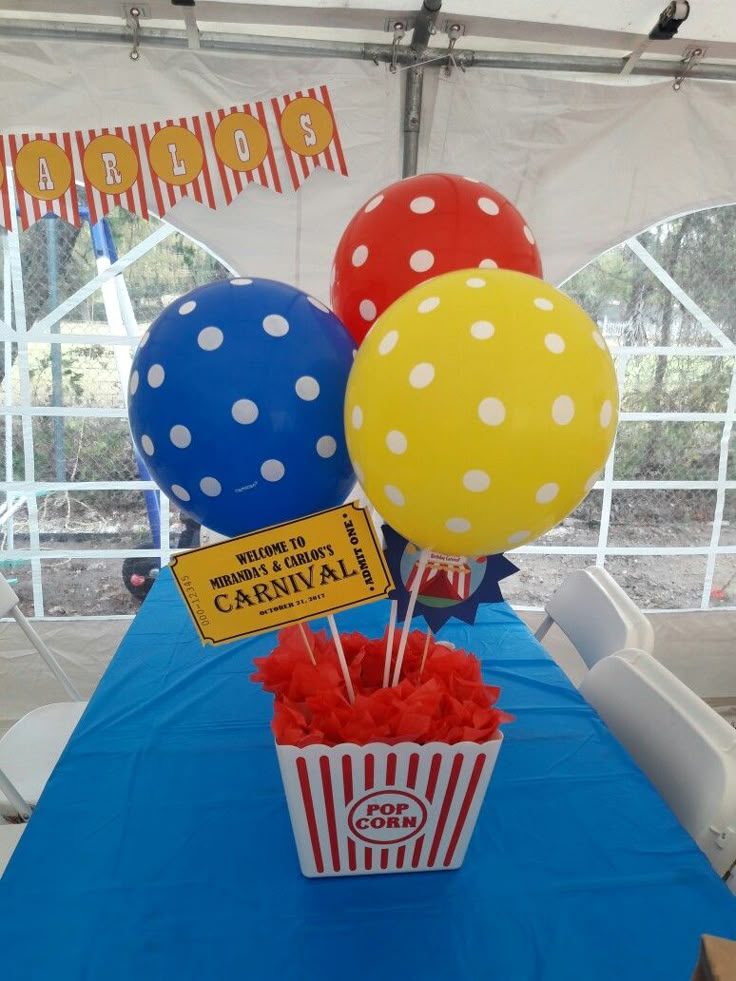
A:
[(448, 703)]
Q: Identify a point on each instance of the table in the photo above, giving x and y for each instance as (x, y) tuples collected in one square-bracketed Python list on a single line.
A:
[(161, 849)]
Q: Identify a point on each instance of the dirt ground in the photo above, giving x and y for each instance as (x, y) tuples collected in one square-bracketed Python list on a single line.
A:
[(91, 586)]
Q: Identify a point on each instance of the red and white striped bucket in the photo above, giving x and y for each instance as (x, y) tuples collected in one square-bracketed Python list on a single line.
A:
[(358, 810)]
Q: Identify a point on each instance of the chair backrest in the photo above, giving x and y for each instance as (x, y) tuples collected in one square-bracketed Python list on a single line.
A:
[(8, 597), (598, 616), (9, 606), (685, 748), (16, 800)]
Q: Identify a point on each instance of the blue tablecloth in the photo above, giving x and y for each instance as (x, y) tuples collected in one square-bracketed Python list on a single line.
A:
[(161, 849)]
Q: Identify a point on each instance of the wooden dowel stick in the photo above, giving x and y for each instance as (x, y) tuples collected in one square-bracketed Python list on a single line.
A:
[(424, 652), (390, 643), (307, 645), (410, 613), (341, 658)]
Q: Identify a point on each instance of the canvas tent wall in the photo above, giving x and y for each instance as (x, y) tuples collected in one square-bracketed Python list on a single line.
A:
[(562, 106)]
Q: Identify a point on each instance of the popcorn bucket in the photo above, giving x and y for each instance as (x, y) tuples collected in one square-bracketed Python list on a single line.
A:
[(364, 810)]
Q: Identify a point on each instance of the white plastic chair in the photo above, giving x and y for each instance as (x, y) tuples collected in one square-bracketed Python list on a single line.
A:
[(21, 807), (30, 749), (686, 749), (9, 838), (597, 616)]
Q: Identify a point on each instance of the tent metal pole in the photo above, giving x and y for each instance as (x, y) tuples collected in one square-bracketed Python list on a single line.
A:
[(412, 120), (423, 31), (358, 51), (424, 26)]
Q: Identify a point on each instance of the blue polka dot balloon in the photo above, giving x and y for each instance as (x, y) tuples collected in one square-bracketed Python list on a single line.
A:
[(235, 402)]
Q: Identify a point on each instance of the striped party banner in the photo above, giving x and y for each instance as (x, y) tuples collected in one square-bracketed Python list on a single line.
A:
[(110, 161), (44, 176), (5, 216), (240, 149), (373, 809), (309, 133), (176, 163)]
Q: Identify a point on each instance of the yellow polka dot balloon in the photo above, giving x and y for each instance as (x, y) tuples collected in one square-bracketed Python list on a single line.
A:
[(480, 410)]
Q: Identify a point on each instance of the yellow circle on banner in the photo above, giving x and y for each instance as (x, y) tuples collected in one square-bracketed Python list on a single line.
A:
[(110, 164), (43, 170), (176, 155), (307, 127), (480, 410), (241, 141)]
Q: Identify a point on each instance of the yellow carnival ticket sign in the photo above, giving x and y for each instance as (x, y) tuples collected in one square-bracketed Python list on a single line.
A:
[(296, 571)]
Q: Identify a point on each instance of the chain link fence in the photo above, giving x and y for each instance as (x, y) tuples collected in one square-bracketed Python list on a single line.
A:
[(75, 508), (662, 517)]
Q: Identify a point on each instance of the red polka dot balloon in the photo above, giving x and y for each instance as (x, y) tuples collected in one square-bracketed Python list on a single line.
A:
[(419, 228)]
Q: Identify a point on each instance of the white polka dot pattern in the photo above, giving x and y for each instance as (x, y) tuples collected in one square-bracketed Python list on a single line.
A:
[(554, 343), (482, 330), (396, 442), (210, 338), (360, 255), (476, 481), (422, 205), (156, 375), (326, 446), (210, 486), (272, 470), (492, 411), (488, 416), (428, 305), (421, 260), (547, 493), (421, 375), (563, 410), (367, 309), (275, 325), (457, 525), (219, 433), (244, 411), (307, 388), (488, 205), (394, 495), (180, 436)]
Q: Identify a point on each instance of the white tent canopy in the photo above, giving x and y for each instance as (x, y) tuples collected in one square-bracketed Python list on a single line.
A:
[(588, 164), (566, 107)]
